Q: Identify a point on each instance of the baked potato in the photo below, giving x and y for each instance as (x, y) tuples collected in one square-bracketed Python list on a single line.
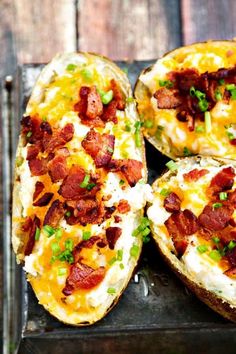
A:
[(187, 101), (80, 187), (192, 219)]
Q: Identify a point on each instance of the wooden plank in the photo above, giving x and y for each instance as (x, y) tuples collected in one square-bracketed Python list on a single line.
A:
[(129, 29), (43, 28), (212, 19)]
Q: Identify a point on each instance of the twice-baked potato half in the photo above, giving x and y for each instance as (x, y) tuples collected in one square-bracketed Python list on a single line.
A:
[(187, 100), (193, 221), (80, 187)]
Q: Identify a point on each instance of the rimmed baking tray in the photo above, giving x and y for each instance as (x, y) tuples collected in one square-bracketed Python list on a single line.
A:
[(156, 313)]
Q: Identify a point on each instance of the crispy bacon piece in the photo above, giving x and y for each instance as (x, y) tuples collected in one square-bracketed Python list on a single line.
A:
[(118, 97), (39, 186), (184, 79), (123, 206), (26, 226), (54, 214), (112, 235), (167, 99), (131, 169), (59, 138), (195, 175), (231, 257), (117, 218), (38, 167), (86, 211), (227, 234), (94, 104), (99, 147), (83, 277), (57, 167), (109, 112), (32, 152), (44, 200), (31, 127), (231, 273), (34, 224), (180, 225), (46, 127), (84, 244), (109, 211), (222, 181), (215, 219), (172, 203)]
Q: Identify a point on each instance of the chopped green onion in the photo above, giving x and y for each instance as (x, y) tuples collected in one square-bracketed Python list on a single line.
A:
[(200, 95), (49, 230), (231, 245), (202, 248), (87, 74), (148, 124), (58, 233), (134, 251), (233, 94), (37, 234), (66, 256), (187, 152), (122, 266), (192, 91), (223, 195), (71, 67), (44, 119), (144, 223), (19, 161), (111, 290), (62, 271), (199, 129), (207, 122), (130, 99), (217, 205), (159, 131), (68, 214), (112, 260), (86, 235), (215, 239), (121, 182), (90, 186), (172, 165), (55, 248), (69, 244), (85, 181), (230, 87), (203, 105), (166, 83), (137, 135), (215, 255), (221, 81), (218, 95), (29, 134), (165, 192), (107, 97), (230, 135), (119, 255)]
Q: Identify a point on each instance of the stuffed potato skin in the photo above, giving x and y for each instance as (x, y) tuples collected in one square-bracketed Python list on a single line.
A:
[(174, 117), (200, 256), (74, 191)]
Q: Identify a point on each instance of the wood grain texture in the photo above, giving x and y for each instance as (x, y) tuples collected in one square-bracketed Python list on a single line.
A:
[(129, 29), (43, 28), (211, 19)]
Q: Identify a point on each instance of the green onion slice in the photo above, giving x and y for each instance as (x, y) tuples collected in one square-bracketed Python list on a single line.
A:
[(172, 165), (85, 181)]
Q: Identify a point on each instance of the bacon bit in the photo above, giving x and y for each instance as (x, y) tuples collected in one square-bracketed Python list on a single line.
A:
[(180, 225), (222, 181), (215, 219), (32, 125), (227, 234), (123, 207), (46, 127), (117, 218), (231, 273), (167, 99), (84, 244), (87, 211), (32, 152), (94, 104), (172, 203), (39, 186), (131, 169), (231, 257), (54, 214), (44, 200), (184, 79), (233, 141), (38, 167), (57, 168), (195, 175), (83, 277), (26, 226), (109, 211), (99, 147), (31, 240), (112, 235), (59, 138), (118, 97), (109, 112)]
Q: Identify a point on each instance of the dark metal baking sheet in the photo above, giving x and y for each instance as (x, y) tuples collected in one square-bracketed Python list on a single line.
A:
[(156, 313)]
